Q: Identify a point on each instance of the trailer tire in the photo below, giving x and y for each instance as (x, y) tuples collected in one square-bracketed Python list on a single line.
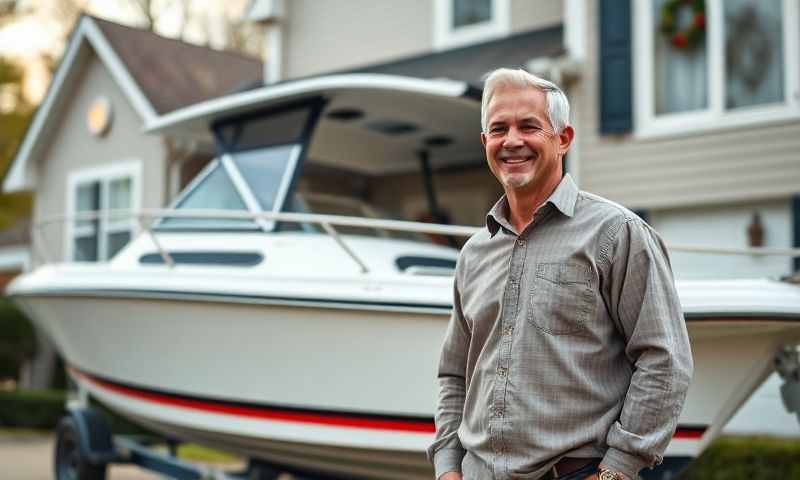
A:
[(70, 462)]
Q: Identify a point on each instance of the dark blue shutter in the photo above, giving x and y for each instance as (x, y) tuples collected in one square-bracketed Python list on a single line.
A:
[(796, 228), (616, 102)]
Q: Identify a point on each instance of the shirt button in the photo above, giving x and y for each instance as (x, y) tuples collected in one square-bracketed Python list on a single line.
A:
[(508, 330), (521, 242), (501, 371)]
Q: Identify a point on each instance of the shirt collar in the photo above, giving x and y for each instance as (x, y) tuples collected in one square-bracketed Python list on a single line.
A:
[(563, 198)]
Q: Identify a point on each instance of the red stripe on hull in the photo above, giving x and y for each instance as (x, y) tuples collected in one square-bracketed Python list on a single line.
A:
[(264, 413), (299, 417)]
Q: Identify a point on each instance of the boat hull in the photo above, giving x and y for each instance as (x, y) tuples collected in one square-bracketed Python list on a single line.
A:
[(347, 390)]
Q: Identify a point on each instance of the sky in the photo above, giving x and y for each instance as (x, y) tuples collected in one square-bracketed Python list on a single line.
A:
[(37, 29)]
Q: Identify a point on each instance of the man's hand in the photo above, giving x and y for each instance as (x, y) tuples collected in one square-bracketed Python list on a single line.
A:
[(593, 476), (451, 476)]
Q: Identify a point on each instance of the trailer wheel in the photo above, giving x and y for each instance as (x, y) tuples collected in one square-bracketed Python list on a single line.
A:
[(70, 461)]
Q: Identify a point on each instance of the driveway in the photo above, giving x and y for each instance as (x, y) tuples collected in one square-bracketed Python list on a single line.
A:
[(30, 457)]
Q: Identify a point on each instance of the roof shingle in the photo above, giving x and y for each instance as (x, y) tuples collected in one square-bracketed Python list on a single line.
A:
[(173, 74)]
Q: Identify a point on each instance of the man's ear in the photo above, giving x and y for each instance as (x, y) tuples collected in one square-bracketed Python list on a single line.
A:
[(565, 139), (483, 139)]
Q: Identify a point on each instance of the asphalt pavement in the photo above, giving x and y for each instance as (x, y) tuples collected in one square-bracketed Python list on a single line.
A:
[(29, 456)]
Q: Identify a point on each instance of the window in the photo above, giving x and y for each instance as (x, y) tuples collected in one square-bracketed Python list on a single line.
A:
[(462, 22), (714, 64), (104, 191)]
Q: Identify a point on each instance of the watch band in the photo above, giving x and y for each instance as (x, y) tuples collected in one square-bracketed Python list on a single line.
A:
[(606, 474)]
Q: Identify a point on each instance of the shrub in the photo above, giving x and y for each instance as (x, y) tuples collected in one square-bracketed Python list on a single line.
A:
[(31, 408), (17, 339), (747, 458)]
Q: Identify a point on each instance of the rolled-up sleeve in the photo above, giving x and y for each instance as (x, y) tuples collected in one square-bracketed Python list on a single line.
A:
[(446, 451), (641, 296)]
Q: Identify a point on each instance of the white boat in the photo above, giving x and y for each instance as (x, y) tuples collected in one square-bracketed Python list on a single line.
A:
[(250, 319)]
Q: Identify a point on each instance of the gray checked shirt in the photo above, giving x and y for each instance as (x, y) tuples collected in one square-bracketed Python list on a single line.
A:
[(566, 339)]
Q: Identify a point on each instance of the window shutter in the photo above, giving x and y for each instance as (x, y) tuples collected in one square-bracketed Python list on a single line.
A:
[(616, 102)]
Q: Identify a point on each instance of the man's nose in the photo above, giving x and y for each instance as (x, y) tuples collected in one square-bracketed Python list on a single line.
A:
[(512, 138)]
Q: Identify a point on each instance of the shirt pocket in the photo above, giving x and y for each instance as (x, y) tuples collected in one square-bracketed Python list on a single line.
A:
[(562, 299)]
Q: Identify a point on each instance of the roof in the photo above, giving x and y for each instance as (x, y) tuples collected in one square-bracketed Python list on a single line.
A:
[(469, 64), (156, 75), (172, 73)]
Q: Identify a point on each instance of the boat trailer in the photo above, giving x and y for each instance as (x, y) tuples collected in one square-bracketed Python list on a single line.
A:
[(85, 447)]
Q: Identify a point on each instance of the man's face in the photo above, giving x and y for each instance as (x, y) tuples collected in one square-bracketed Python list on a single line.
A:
[(522, 149)]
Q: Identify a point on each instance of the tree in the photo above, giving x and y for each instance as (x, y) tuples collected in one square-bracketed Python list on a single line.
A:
[(15, 113)]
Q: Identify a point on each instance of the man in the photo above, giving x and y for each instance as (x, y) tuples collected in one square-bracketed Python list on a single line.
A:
[(567, 350)]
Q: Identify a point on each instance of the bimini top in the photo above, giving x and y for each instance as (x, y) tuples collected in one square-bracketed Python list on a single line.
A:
[(338, 89)]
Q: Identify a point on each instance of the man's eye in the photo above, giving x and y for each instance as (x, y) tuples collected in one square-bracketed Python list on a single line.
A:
[(497, 130), (531, 128)]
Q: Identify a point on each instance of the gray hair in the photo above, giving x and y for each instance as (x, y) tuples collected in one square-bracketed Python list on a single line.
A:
[(557, 103)]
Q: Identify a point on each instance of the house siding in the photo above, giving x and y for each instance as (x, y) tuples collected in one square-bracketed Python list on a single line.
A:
[(325, 35), (529, 15), (72, 148), (712, 167), (726, 226)]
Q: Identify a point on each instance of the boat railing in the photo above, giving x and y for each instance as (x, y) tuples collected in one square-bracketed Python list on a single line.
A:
[(146, 217)]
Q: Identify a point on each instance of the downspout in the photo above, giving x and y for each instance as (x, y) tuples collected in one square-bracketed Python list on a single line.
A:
[(270, 14), (273, 64)]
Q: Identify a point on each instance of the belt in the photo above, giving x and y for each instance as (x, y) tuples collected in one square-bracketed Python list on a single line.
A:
[(567, 465)]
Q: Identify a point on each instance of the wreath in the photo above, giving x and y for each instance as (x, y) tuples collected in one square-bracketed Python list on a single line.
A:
[(690, 35)]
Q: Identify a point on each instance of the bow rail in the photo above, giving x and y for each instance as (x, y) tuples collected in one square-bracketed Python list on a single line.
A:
[(146, 217)]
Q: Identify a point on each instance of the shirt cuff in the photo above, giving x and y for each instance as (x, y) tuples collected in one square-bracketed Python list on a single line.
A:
[(624, 463), (447, 460)]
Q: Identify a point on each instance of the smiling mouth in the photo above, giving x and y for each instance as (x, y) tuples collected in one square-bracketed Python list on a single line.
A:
[(515, 160)]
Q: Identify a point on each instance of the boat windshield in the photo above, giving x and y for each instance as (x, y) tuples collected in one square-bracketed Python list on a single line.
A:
[(253, 174)]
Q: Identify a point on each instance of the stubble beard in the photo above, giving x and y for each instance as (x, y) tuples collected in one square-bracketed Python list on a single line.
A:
[(516, 180)]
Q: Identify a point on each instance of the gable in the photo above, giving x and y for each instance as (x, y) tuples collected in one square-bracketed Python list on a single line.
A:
[(86, 41)]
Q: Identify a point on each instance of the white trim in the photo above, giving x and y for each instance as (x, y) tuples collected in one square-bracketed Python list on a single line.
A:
[(15, 258), (21, 174), (445, 36), (289, 173), (257, 98), (575, 29), (104, 174), (715, 117)]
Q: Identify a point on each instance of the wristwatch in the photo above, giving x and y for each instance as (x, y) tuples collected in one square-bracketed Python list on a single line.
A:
[(606, 474)]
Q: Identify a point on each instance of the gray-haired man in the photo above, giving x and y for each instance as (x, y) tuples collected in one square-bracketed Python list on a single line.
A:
[(567, 350)]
